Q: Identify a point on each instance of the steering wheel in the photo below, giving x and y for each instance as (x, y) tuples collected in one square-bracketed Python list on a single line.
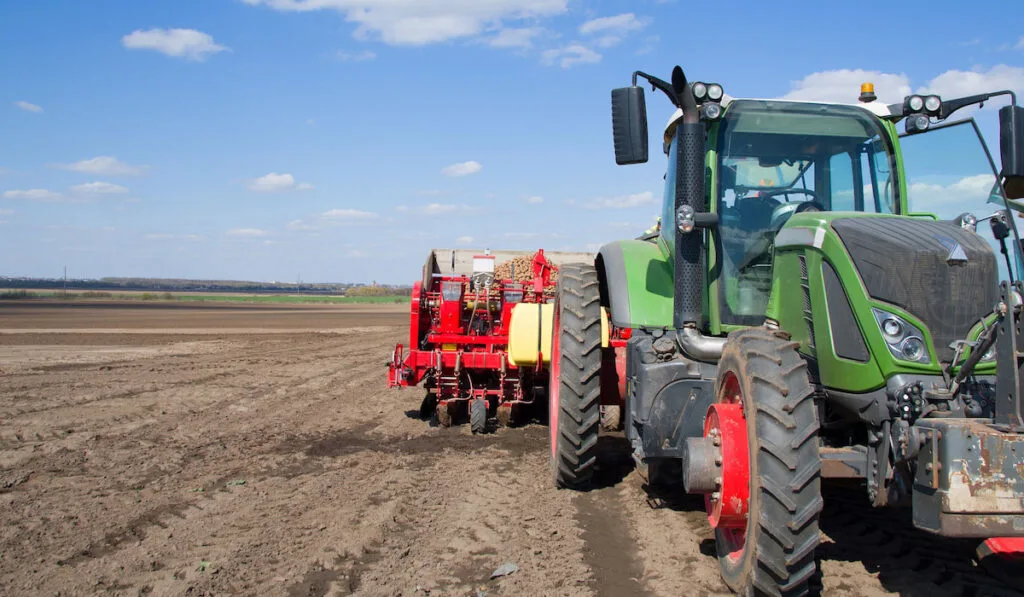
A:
[(780, 215), (787, 191)]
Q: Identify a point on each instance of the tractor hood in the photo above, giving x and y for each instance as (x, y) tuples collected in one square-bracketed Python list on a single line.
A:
[(944, 275)]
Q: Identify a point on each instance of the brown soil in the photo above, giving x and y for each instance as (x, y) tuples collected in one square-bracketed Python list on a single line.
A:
[(275, 462)]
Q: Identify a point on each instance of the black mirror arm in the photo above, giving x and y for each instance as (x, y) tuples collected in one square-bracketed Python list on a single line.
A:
[(950, 106), (658, 85)]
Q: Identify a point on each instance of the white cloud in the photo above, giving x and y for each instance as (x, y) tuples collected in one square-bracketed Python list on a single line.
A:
[(521, 234), (570, 55), (435, 209), (959, 83), (621, 202), (301, 225), (843, 86), (180, 43), (364, 56), (535, 199), (356, 254), (610, 31), (1020, 44), (104, 166), (969, 193), (407, 22), (6, 212), (310, 122), (439, 208), (521, 37), (247, 232), (99, 188), (430, 192), (464, 240), (462, 169), (165, 236), (349, 214), (28, 107), (276, 183), (33, 195), (617, 24)]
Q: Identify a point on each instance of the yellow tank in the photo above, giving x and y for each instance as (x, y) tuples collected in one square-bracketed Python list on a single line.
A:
[(523, 328), (530, 333)]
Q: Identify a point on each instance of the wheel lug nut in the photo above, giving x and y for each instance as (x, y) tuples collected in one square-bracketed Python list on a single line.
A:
[(718, 481), (716, 440), (715, 495)]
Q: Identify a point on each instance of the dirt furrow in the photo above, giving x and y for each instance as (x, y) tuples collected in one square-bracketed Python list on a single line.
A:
[(279, 464)]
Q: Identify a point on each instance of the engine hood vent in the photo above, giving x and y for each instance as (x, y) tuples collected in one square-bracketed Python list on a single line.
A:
[(944, 275)]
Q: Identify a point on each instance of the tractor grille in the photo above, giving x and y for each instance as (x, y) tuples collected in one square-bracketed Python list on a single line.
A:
[(906, 262)]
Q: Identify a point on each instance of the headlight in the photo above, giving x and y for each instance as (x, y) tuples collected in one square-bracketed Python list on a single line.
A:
[(916, 103), (916, 123), (711, 111), (699, 91), (932, 103), (684, 219), (904, 340), (967, 221), (715, 92), (913, 349), (892, 329)]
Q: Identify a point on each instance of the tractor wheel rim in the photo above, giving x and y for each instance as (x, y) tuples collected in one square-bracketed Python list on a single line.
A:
[(728, 507), (554, 381)]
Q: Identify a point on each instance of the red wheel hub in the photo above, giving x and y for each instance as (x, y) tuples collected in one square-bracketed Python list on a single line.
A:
[(726, 425)]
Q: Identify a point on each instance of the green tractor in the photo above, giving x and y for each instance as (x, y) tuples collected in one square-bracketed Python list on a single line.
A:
[(795, 320)]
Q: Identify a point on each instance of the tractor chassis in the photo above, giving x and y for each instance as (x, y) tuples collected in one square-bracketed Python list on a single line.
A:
[(968, 476)]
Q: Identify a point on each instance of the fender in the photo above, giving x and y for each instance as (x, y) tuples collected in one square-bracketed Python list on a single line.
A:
[(636, 281)]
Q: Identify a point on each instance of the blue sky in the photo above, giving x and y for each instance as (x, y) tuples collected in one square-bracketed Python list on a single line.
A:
[(339, 140)]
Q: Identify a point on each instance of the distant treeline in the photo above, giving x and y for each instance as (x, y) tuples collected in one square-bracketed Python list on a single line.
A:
[(182, 285)]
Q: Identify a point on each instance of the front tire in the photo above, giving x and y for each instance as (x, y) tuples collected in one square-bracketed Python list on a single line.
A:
[(574, 413), (478, 415), (772, 551)]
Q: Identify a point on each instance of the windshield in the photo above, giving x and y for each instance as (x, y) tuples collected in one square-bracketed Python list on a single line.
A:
[(949, 173), (780, 158)]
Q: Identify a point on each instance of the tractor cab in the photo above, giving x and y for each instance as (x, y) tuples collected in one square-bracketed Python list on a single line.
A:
[(775, 159)]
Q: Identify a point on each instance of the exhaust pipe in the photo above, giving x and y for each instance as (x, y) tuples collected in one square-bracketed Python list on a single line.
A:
[(690, 268)]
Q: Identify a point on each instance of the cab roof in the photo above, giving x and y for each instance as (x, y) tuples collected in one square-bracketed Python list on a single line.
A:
[(876, 107)]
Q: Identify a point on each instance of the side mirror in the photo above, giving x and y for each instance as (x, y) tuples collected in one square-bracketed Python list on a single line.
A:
[(1011, 148), (629, 125)]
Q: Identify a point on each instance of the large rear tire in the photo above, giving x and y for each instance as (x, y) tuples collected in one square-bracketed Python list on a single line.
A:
[(771, 552), (574, 413)]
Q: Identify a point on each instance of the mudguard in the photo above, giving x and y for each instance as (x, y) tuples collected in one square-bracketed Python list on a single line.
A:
[(636, 278)]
